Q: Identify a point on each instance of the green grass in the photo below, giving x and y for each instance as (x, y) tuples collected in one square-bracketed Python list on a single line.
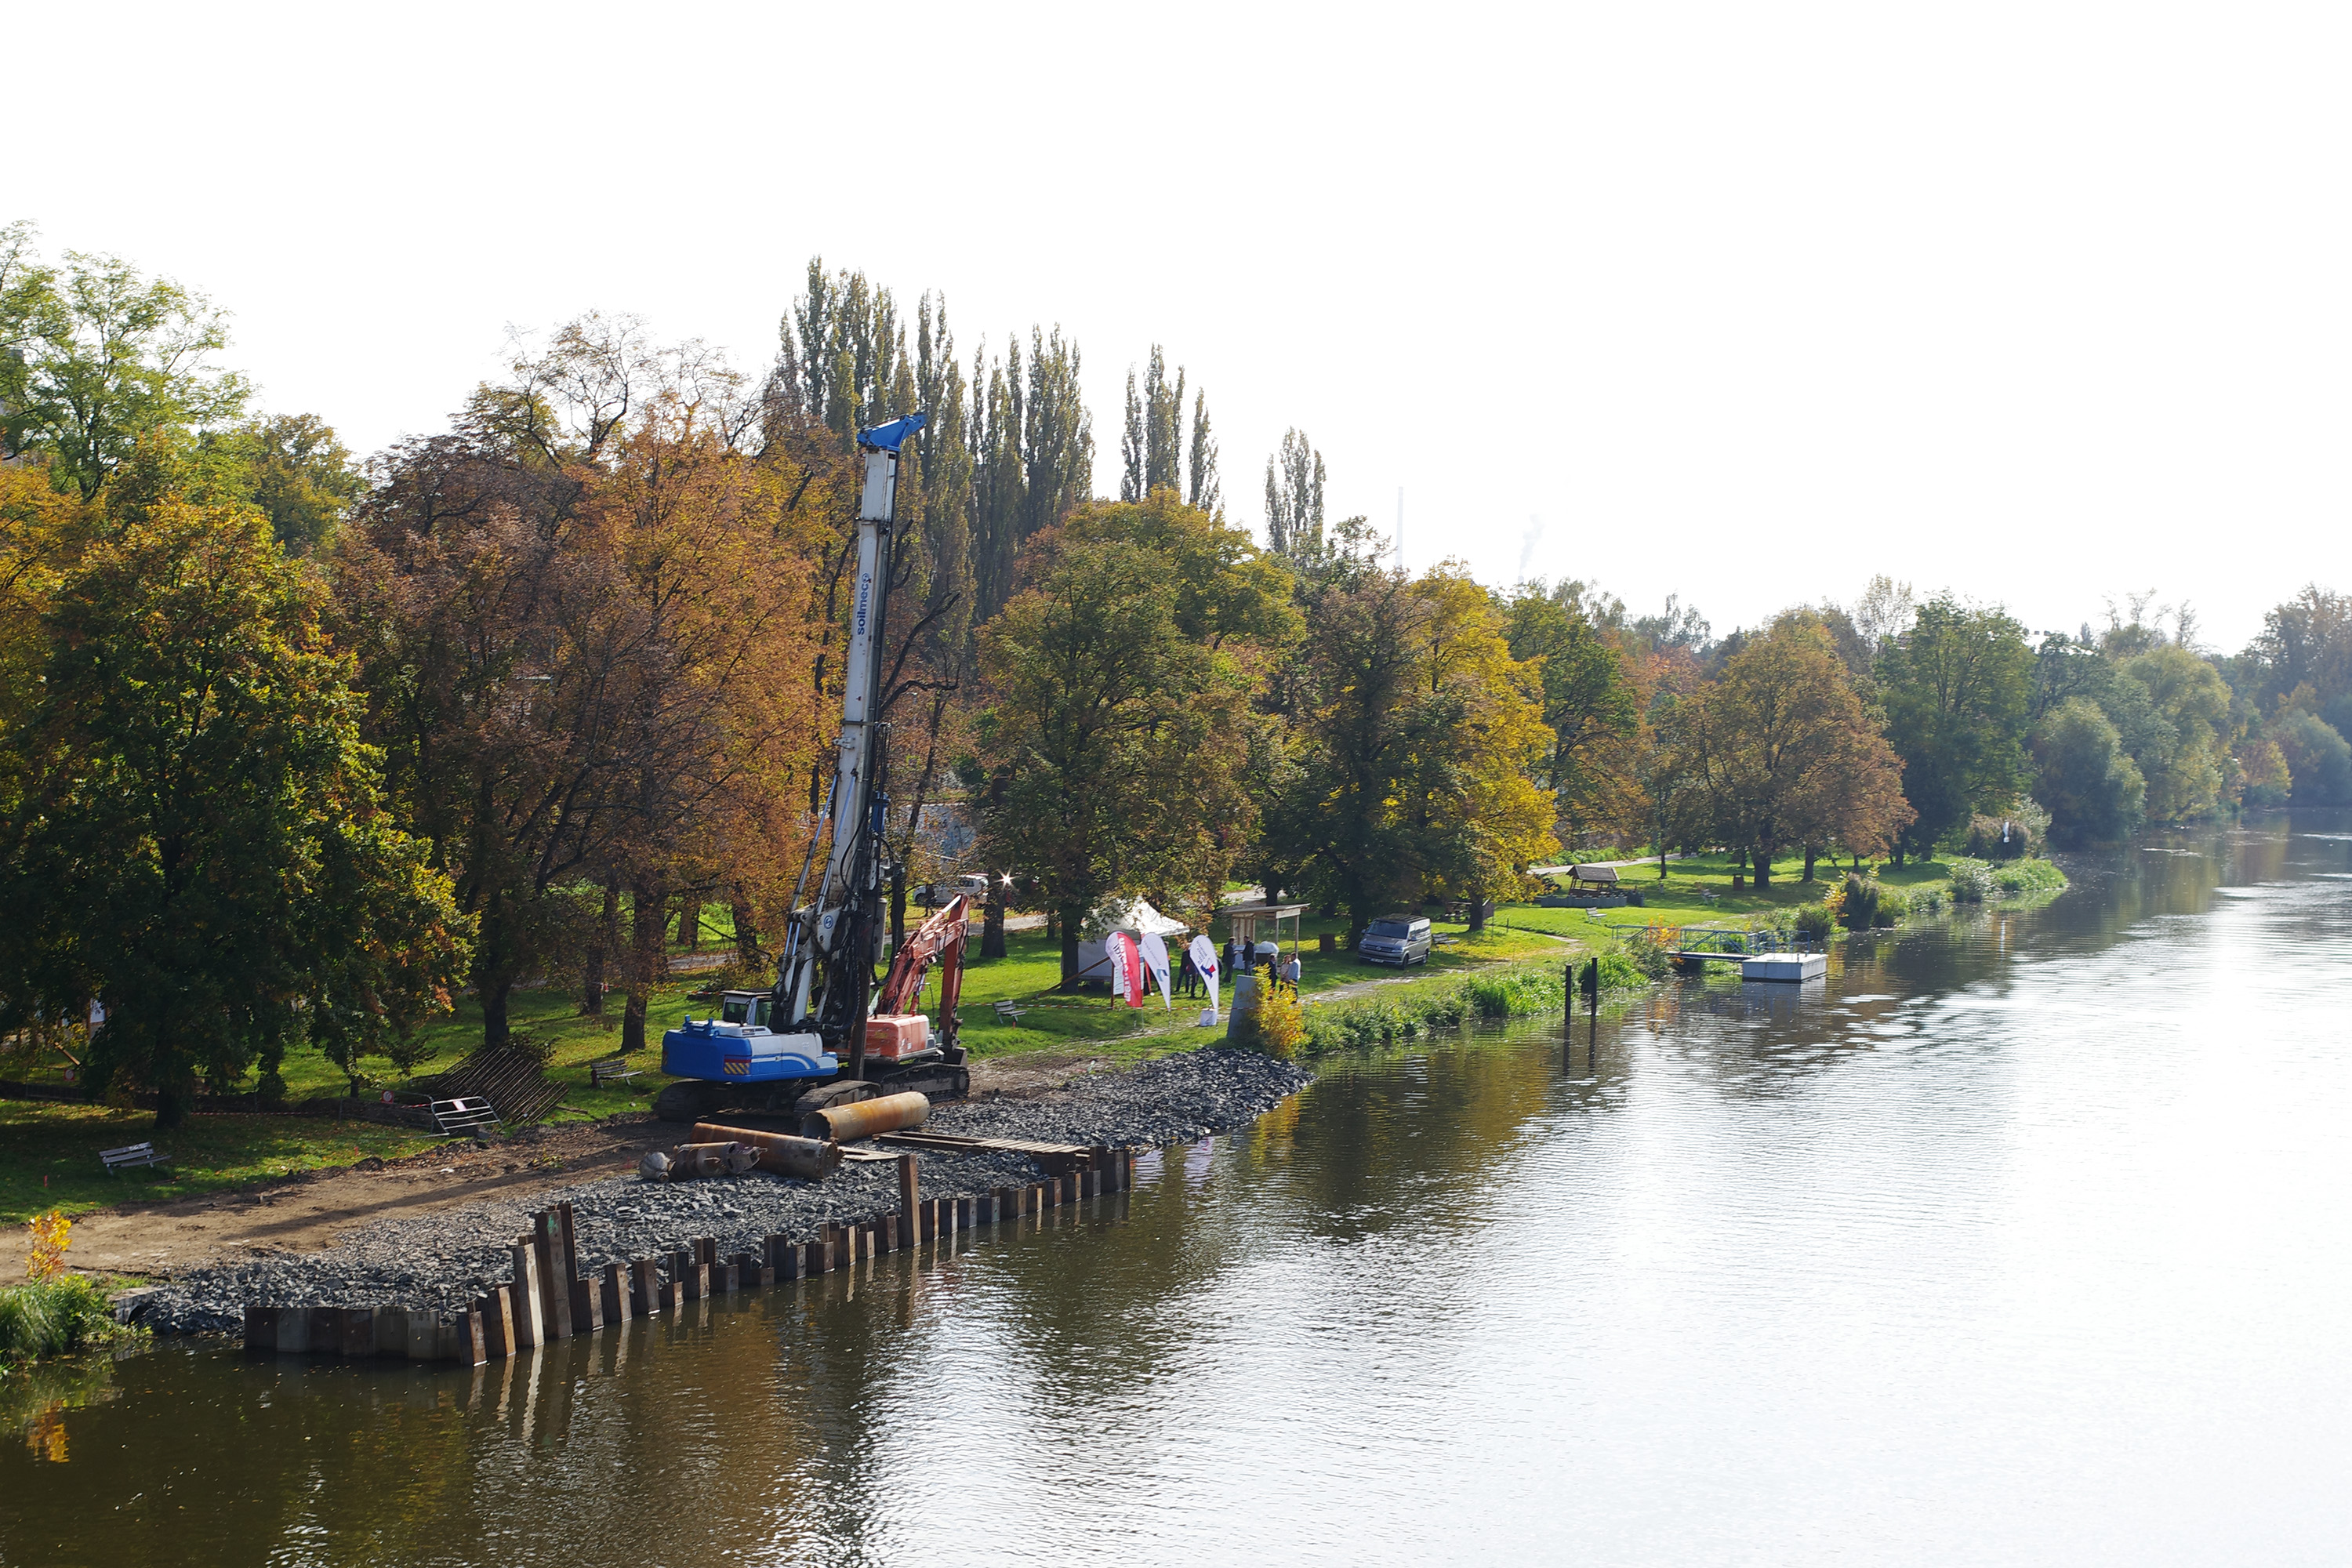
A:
[(54, 1316), (1697, 891), (48, 1153)]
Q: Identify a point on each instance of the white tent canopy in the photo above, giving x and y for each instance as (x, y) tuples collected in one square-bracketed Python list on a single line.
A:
[(1134, 915)]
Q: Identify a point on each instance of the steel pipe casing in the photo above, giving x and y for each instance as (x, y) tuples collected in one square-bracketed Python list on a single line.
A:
[(864, 1118), (810, 1159)]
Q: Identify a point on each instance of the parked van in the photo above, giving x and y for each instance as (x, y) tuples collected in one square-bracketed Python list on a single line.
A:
[(1395, 939)]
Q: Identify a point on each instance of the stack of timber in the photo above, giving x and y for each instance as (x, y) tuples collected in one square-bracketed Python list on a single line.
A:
[(1057, 1158), (512, 1080), (549, 1299)]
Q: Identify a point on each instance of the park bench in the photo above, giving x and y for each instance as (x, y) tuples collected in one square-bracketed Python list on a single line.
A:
[(1009, 1013), (613, 1070), (467, 1113), (130, 1154)]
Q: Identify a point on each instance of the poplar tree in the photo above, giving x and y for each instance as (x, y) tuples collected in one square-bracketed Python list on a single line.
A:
[(1202, 489), (1294, 498)]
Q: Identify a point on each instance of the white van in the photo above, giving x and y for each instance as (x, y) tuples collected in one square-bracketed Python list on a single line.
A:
[(1395, 939)]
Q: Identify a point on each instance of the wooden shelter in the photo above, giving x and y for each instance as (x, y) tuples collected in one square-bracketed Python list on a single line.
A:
[(1245, 920)]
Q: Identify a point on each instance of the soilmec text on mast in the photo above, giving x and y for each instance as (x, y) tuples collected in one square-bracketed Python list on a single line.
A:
[(787, 1045)]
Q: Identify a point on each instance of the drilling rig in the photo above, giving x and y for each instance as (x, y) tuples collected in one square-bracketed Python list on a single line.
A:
[(815, 1039)]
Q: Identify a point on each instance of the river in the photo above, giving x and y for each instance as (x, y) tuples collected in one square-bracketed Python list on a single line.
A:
[(2021, 1238)]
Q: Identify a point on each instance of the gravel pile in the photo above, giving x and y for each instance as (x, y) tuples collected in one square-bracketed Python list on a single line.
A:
[(443, 1260)]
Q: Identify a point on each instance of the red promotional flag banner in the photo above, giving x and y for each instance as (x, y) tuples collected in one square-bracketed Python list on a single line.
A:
[(1127, 967)]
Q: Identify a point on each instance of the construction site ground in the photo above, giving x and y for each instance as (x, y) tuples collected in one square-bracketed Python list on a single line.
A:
[(307, 1211)]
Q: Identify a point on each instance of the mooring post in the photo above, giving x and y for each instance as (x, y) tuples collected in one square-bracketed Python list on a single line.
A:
[(909, 1193), (527, 1319), (571, 1243), (554, 1287)]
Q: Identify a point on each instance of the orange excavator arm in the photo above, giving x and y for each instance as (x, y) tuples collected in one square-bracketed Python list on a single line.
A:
[(940, 940)]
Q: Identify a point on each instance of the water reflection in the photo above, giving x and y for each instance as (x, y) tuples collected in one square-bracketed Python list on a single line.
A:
[(2016, 1238)]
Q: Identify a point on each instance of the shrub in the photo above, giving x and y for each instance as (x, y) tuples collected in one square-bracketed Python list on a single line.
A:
[(1971, 881), (1816, 922), (2029, 876), (1889, 909), (2010, 835), (1281, 1022), (1857, 906), (56, 1316)]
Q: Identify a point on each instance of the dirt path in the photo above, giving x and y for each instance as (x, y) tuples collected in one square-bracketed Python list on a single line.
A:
[(308, 1212)]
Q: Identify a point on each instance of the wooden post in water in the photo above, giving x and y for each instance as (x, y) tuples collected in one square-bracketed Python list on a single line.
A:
[(498, 1323), (614, 1289), (645, 1286), (571, 1243), (527, 1319), (909, 1199), (554, 1284)]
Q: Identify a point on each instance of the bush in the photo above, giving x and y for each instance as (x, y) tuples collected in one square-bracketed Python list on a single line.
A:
[(1890, 907), (1857, 901), (56, 1316), (1816, 922), (1971, 881), (1281, 1022), (1501, 994), (2029, 876)]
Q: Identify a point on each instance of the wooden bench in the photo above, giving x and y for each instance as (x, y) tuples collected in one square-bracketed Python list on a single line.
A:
[(131, 1154), (1009, 1013), (468, 1113), (613, 1070)]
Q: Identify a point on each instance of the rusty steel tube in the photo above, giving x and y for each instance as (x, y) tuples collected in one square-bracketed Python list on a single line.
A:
[(810, 1159), (864, 1118)]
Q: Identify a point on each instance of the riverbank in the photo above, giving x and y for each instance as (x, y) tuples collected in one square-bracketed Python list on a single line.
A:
[(443, 1258)]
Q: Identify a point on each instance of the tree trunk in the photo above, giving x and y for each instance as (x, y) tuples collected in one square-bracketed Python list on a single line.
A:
[(897, 908), (991, 925), (493, 973), (1069, 916), (690, 925), (747, 932), (648, 909), (1811, 850), (1763, 862), (494, 990), (608, 930)]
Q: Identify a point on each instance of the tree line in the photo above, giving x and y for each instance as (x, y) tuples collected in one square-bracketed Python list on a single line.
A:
[(294, 752)]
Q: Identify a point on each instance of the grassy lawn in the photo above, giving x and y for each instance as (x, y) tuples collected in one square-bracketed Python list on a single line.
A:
[(59, 1144), (1698, 891)]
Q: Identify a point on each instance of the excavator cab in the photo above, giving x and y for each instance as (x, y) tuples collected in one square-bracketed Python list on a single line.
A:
[(749, 1007)]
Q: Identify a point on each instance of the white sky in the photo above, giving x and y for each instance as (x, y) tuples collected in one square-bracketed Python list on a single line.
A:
[(2042, 303)]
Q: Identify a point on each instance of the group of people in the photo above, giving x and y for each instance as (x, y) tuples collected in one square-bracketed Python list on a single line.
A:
[(1238, 957)]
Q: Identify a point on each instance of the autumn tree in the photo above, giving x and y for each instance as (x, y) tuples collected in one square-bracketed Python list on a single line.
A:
[(1590, 703), (1479, 731), (203, 844), (1113, 739), (1782, 751), (1410, 729), (564, 607)]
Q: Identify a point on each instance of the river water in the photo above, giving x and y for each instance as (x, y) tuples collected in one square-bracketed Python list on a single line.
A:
[(2021, 1238)]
